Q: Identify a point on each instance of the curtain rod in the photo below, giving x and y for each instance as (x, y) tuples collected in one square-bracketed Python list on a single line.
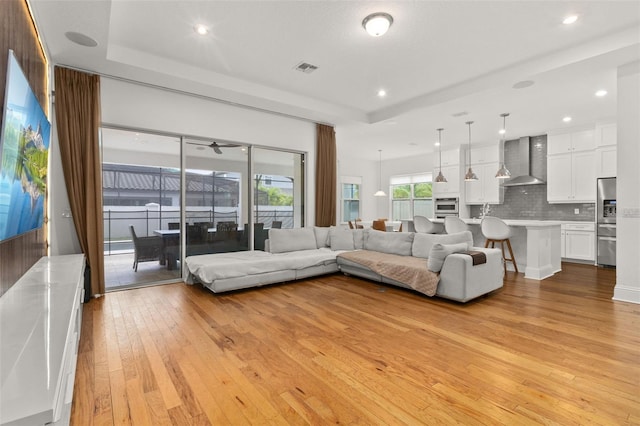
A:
[(187, 93)]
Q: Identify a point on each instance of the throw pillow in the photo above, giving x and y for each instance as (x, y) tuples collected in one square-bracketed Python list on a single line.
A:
[(422, 243), (389, 242), (341, 239), (286, 240), (439, 252)]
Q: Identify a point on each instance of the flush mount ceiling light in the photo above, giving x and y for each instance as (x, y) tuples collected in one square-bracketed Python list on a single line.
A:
[(377, 24), (382, 93), (503, 172), (380, 192), (470, 175), (440, 178), (570, 20), (201, 29), (601, 93), (566, 119), (81, 39)]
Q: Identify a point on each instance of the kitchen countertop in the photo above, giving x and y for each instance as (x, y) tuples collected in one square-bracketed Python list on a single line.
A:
[(513, 222)]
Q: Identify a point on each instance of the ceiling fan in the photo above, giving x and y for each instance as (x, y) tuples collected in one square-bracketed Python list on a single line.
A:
[(216, 146)]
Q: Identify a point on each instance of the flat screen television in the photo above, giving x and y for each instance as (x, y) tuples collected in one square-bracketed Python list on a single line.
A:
[(24, 151)]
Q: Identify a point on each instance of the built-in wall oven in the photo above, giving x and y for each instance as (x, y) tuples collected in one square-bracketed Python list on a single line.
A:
[(445, 207), (606, 211)]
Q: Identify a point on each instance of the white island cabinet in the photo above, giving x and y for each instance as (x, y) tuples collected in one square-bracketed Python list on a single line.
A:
[(536, 245), (40, 319)]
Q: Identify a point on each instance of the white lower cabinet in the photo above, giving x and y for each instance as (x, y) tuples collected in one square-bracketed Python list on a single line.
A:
[(40, 321), (578, 241)]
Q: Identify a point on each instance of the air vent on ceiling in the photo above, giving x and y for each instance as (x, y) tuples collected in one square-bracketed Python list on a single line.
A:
[(306, 67), (460, 114)]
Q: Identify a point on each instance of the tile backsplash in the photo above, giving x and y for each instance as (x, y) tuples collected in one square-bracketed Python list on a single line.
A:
[(530, 202)]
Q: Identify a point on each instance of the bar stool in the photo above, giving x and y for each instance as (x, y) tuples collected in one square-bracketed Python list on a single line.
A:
[(453, 225), (423, 225), (496, 231)]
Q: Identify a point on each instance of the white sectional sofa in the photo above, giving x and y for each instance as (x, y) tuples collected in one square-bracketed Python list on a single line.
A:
[(293, 254)]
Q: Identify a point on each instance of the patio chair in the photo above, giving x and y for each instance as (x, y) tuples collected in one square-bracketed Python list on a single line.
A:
[(146, 249)]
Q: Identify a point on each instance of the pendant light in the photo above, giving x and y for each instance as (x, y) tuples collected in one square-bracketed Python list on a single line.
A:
[(503, 172), (440, 178), (470, 176), (380, 192)]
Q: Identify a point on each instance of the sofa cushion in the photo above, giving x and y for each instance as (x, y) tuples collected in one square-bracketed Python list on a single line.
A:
[(358, 239), (322, 236), (286, 240), (389, 242), (341, 239), (439, 252), (422, 243)]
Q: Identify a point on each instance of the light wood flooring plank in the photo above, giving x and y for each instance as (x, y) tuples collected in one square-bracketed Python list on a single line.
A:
[(338, 349)]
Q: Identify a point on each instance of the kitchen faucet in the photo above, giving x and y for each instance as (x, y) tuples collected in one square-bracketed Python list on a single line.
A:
[(486, 209)]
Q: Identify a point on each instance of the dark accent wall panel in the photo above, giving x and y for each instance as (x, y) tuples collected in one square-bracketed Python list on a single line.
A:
[(17, 32)]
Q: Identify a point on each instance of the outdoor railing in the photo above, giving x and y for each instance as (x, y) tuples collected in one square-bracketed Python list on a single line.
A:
[(117, 237)]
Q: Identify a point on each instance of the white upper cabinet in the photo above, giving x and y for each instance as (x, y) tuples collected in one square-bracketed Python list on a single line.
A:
[(486, 154), (487, 188), (562, 143), (450, 188), (606, 135), (571, 178), (450, 157), (606, 152)]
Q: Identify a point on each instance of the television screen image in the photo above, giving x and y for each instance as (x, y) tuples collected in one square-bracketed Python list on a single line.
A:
[(24, 151)]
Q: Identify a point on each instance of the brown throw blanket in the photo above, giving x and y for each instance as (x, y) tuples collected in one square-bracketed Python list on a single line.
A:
[(408, 270), (478, 257)]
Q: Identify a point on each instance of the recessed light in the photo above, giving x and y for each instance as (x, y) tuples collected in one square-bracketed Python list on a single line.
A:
[(523, 84), (566, 119), (570, 20), (502, 131), (601, 93), (382, 93), (436, 143), (81, 39), (201, 29)]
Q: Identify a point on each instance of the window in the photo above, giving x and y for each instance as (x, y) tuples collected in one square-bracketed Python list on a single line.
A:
[(411, 196), (350, 198)]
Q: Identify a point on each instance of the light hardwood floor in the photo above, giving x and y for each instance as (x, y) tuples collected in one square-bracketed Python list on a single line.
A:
[(344, 350)]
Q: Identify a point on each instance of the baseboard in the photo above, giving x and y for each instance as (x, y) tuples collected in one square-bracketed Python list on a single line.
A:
[(626, 294)]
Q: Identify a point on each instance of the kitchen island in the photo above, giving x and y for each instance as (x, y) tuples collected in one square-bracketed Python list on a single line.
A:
[(535, 243)]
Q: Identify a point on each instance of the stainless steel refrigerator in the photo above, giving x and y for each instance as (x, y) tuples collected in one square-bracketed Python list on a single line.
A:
[(606, 218)]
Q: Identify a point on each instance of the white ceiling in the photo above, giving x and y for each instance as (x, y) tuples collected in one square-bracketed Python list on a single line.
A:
[(438, 59)]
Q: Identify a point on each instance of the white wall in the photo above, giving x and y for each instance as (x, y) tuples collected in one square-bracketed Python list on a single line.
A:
[(142, 107), (378, 207), (628, 196), (62, 233)]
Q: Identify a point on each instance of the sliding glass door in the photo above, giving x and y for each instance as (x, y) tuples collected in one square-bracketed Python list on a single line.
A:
[(167, 197), (141, 196), (217, 196)]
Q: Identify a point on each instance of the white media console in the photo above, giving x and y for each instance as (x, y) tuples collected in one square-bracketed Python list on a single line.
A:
[(40, 320)]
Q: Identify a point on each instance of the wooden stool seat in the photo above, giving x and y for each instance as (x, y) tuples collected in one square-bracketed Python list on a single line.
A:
[(505, 259)]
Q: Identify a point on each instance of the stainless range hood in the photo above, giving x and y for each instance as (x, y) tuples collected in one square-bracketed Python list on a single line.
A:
[(521, 170)]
